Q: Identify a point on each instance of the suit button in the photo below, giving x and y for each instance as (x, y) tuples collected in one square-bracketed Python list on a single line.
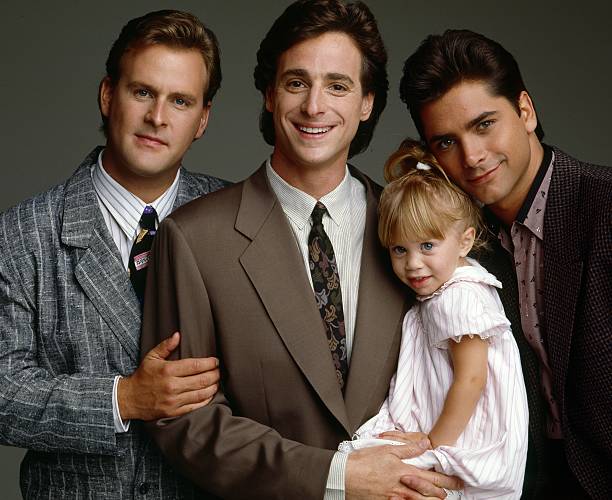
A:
[(144, 488)]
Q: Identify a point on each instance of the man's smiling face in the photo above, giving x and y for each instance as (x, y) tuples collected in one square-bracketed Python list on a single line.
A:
[(484, 142), (317, 103)]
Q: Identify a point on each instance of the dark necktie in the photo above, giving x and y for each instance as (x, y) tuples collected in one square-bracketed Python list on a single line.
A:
[(326, 283), (139, 255)]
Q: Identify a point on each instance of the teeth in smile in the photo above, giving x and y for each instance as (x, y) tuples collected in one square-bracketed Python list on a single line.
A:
[(314, 130)]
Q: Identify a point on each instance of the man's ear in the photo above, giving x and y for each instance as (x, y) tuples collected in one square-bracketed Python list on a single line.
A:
[(527, 111), (269, 100), (203, 120), (466, 241), (105, 96), (367, 104)]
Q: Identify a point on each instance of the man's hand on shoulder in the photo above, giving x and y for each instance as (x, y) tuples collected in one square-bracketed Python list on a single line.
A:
[(161, 388), (378, 472)]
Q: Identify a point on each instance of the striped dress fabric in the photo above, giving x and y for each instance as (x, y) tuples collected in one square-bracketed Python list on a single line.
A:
[(491, 453)]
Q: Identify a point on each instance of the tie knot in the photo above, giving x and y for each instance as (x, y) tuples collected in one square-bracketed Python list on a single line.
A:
[(317, 214), (148, 218)]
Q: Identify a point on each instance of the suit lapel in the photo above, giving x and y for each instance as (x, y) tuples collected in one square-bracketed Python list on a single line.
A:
[(98, 267), (381, 304), (562, 266), (275, 267)]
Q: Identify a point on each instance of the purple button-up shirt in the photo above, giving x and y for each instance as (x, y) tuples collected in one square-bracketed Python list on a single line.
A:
[(524, 243)]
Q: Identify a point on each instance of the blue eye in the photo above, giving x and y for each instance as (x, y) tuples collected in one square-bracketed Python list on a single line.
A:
[(427, 246)]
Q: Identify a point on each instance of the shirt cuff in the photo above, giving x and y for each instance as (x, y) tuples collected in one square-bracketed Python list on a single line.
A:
[(120, 425), (334, 489)]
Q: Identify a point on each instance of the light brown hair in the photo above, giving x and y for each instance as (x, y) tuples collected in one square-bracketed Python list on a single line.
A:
[(171, 28), (422, 203)]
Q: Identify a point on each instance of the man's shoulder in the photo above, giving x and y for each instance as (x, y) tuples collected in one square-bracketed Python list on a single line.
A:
[(566, 164), (584, 185), (34, 214), (201, 184), (371, 186), (579, 200), (42, 213), (217, 204)]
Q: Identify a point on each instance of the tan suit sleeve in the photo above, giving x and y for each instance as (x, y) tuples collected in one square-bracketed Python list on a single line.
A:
[(226, 455)]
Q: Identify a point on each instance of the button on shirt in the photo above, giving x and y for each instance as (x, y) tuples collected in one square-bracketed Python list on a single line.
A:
[(121, 210), (344, 224)]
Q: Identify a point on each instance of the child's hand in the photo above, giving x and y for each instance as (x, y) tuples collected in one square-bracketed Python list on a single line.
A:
[(416, 438)]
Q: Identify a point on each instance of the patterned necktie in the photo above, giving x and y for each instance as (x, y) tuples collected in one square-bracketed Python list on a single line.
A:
[(139, 255), (326, 283)]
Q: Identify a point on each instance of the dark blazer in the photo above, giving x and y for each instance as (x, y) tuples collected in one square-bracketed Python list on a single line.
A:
[(229, 274), (578, 316), (70, 322)]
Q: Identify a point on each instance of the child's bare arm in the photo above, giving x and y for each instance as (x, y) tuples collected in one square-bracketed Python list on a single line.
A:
[(470, 376)]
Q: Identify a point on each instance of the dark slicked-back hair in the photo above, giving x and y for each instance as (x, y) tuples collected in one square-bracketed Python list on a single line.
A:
[(171, 28), (443, 61), (306, 19)]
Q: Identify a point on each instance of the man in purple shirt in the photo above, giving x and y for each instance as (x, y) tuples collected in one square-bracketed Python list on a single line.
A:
[(549, 215)]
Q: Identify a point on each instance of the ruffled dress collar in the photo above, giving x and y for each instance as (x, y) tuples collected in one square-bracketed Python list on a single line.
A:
[(473, 272)]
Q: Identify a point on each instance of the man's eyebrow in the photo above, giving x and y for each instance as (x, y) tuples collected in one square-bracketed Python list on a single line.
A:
[(482, 116), (471, 124), (340, 77), (137, 84), (302, 73)]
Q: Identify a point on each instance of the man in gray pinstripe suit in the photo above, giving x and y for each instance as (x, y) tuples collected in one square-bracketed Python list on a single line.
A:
[(72, 389)]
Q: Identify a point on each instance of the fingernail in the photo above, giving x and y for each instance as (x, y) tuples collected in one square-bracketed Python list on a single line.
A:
[(424, 443)]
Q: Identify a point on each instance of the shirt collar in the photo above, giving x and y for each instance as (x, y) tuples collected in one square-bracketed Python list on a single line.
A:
[(534, 219), (493, 222), (547, 160), (124, 206), (298, 205)]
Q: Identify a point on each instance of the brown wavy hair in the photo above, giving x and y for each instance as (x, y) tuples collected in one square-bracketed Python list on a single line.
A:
[(306, 19)]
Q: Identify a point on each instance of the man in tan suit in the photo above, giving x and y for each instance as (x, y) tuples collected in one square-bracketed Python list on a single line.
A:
[(235, 273)]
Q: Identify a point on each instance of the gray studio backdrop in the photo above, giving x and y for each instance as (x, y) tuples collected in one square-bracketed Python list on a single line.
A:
[(53, 56)]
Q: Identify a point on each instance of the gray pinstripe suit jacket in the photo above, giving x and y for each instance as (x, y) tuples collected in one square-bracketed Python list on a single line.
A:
[(70, 322)]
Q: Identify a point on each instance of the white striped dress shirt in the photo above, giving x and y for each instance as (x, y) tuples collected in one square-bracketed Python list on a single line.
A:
[(491, 453), (121, 210), (344, 224)]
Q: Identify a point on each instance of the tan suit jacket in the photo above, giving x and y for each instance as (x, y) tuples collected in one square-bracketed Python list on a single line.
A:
[(227, 272)]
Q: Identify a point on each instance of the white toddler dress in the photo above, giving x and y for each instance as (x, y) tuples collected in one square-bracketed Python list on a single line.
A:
[(490, 454)]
